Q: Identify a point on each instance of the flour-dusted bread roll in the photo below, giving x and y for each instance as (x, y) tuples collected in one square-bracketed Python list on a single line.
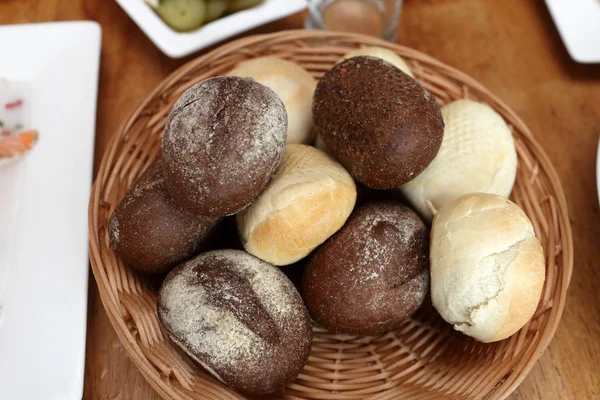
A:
[(372, 274), (487, 266), (384, 54), (223, 139), (309, 198), (477, 155), (239, 317), (293, 84)]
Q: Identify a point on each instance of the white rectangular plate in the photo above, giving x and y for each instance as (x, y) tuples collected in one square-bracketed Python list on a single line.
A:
[(176, 44), (44, 198), (578, 22)]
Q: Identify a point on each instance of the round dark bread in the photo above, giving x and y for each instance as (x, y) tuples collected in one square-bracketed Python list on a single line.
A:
[(239, 317), (223, 139), (380, 123), (150, 231), (372, 274)]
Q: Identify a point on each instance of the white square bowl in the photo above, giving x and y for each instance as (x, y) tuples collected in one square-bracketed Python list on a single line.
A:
[(179, 44), (578, 23)]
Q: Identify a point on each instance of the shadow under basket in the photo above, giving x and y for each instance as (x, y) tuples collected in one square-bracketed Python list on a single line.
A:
[(425, 358)]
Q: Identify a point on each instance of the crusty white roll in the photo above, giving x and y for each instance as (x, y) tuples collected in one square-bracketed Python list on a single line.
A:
[(487, 266), (308, 199), (382, 53), (293, 84), (477, 155)]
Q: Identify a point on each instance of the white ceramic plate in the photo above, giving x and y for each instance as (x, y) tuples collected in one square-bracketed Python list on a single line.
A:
[(175, 44), (578, 22), (43, 209)]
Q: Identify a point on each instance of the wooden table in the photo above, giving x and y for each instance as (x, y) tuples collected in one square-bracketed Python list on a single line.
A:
[(510, 46)]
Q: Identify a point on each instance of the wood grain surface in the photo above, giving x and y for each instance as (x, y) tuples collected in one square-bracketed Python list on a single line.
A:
[(511, 46)]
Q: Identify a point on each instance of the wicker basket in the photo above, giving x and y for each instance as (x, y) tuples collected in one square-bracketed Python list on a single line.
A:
[(425, 358)]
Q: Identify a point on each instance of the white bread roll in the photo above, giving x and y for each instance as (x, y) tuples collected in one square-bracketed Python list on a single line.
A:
[(293, 84), (487, 266), (382, 53), (308, 199), (477, 155)]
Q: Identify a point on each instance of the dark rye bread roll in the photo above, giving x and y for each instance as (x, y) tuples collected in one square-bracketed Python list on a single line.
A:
[(380, 123), (372, 274), (150, 231), (223, 139), (239, 317)]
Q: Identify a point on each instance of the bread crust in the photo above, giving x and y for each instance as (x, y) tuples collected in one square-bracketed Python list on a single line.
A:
[(384, 54), (487, 266), (239, 317), (150, 231), (478, 154), (223, 139), (294, 86), (372, 274), (308, 199), (378, 122)]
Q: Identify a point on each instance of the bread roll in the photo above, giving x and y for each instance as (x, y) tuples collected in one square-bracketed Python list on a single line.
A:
[(372, 274), (372, 51), (293, 84), (378, 122), (239, 317), (150, 232), (308, 199), (382, 53), (477, 155), (487, 266), (223, 139)]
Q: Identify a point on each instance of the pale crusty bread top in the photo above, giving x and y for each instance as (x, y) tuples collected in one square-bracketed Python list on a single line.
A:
[(384, 54), (309, 198), (293, 84), (477, 155), (487, 266)]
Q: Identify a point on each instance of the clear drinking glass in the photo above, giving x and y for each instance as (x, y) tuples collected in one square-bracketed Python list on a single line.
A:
[(371, 17)]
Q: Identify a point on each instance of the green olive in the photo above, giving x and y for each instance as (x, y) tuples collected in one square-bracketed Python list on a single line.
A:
[(182, 15), (237, 5), (214, 9)]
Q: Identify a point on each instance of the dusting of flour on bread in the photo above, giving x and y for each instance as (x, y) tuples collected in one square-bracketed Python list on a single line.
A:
[(236, 315), (223, 139)]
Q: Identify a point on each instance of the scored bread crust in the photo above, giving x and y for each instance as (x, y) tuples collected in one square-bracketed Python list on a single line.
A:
[(239, 317), (487, 266), (308, 199), (223, 139)]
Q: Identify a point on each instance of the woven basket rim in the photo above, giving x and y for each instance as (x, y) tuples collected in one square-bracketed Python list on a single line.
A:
[(112, 304)]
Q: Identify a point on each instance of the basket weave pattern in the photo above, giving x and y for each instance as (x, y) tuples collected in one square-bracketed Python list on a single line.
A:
[(425, 358)]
